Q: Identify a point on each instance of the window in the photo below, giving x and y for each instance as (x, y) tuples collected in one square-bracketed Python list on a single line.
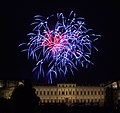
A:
[(62, 101), (55, 101), (91, 92), (88, 93), (44, 92), (98, 92), (81, 92), (62, 92), (84, 92), (55, 92), (40, 92), (59, 93), (77, 92)]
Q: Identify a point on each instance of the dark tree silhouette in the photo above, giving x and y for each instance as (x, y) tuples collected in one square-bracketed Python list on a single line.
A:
[(109, 100), (4, 107), (24, 99)]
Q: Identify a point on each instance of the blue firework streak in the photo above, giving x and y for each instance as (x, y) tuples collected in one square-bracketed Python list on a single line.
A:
[(63, 47)]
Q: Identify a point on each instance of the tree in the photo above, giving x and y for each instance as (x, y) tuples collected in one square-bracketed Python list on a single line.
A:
[(24, 99)]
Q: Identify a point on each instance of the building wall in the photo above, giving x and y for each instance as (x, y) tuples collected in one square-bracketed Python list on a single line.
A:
[(90, 94), (70, 93), (67, 93)]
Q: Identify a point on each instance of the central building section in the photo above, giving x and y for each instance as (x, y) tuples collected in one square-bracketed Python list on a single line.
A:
[(66, 93), (62, 93)]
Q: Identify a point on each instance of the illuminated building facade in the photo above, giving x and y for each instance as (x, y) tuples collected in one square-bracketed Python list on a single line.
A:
[(70, 93), (67, 93)]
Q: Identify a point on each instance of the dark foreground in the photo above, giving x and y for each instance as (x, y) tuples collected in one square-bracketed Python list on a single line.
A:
[(50, 108), (77, 109), (25, 100)]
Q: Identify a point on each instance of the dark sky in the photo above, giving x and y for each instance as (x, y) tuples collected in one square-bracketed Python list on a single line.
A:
[(99, 15)]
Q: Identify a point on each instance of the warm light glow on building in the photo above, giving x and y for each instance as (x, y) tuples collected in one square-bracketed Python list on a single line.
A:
[(114, 85), (70, 93), (66, 93)]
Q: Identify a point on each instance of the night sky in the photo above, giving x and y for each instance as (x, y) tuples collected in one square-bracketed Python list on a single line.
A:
[(99, 15)]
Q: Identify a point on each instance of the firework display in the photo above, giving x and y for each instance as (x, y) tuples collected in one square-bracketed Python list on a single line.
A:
[(60, 46)]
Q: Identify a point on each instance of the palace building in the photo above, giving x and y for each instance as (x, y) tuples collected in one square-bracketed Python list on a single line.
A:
[(71, 93), (66, 93)]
